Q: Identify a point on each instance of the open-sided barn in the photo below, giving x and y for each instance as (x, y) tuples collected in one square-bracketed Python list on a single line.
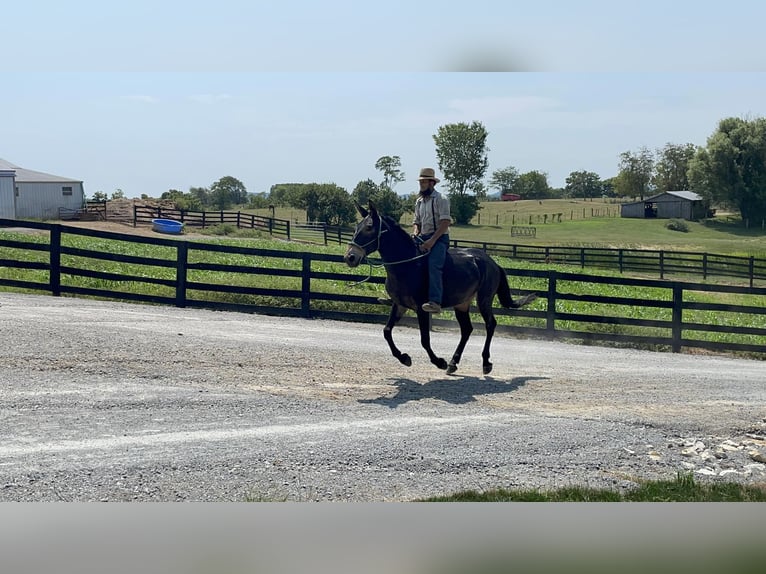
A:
[(670, 204), (28, 194)]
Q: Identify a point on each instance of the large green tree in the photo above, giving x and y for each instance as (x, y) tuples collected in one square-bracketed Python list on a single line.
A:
[(671, 167), (583, 184), (329, 203), (461, 150), (503, 180), (636, 171), (732, 167), (533, 185), (227, 191)]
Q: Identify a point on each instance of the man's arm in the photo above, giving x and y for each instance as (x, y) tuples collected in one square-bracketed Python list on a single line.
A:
[(440, 230)]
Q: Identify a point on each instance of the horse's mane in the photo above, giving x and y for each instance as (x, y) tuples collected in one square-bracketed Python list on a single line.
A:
[(394, 226)]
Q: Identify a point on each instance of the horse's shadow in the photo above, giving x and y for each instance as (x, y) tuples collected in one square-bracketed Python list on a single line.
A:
[(449, 390)]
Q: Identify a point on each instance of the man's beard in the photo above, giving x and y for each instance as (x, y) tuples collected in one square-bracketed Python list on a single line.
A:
[(427, 192)]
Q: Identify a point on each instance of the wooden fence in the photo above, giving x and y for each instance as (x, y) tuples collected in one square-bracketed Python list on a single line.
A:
[(644, 261), (655, 262), (191, 275), (203, 219)]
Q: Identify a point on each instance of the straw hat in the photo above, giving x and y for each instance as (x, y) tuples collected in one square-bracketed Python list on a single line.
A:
[(428, 173)]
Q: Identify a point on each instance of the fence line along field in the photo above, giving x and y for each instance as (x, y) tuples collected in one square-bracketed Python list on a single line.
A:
[(288, 279)]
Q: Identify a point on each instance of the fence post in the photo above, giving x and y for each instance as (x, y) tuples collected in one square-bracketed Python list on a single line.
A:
[(751, 270), (306, 285), (182, 259), (550, 312), (55, 260), (678, 302), (135, 215), (704, 267), (662, 265)]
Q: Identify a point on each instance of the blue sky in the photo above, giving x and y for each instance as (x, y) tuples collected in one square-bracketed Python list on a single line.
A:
[(148, 96)]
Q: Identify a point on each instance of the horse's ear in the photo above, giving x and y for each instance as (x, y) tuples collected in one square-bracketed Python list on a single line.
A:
[(362, 211), (373, 209)]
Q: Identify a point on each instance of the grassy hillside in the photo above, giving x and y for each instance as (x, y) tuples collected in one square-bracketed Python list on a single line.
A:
[(594, 223)]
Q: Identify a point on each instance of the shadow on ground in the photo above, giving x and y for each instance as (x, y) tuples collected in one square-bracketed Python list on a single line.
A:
[(449, 390)]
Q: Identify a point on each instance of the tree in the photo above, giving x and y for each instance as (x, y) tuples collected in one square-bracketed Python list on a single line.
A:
[(391, 168), (118, 194), (503, 180), (329, 203), (635, 176), (226, 191), (583, 184), (287, 194), (462, 150), (533, 185), (385, 199), (732, 167), (99, 196), (671, 167)]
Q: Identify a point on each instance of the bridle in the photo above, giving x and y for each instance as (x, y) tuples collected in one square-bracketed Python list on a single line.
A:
[(372, 265)]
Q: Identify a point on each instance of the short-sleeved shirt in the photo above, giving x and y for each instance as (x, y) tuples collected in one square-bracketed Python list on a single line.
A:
[(429, 211)]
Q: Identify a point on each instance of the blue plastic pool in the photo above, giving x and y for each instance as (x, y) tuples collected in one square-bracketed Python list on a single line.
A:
[(167, 226)]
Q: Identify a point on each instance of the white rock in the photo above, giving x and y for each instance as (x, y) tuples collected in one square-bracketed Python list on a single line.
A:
[(728, 471), (706, 471)]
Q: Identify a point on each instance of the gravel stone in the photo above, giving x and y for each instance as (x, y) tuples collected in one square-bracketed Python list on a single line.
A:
[(107, 401)]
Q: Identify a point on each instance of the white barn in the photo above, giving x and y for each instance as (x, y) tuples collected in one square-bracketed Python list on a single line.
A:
[(28, 194)]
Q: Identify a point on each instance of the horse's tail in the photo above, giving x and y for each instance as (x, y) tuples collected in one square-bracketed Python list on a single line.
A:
[(504, 294)]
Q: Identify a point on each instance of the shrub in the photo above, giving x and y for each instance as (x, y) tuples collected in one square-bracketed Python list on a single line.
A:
[(677, 225)]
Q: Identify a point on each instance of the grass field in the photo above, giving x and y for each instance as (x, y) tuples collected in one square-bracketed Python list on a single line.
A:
[(683, 489), (593, 224)]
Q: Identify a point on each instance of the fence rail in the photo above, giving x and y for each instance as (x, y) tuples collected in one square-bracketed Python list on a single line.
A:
[(203, 219), (189, 274), (656, 262)]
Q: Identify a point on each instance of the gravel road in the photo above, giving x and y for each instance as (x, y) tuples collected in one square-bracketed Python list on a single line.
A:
[(103, 401)]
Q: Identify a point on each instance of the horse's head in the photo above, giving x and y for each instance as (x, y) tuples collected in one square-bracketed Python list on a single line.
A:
[(366, 238)]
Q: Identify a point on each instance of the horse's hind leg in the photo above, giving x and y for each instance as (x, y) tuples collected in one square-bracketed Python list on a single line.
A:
[(393, 318), (466, 328), (485, 308)]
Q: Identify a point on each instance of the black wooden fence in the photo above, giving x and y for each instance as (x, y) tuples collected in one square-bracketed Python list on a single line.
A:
[(203, 219), (190, 274), (654, 262), (644, 261)]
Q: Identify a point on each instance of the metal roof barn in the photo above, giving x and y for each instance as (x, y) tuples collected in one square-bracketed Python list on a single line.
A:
[(668, 205), (29, 194)]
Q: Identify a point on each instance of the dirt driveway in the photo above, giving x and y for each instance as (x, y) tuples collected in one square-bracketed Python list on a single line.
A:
[(111, 401)]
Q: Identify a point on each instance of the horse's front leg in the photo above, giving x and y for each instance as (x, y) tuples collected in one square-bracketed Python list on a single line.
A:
[(424, 323), (393, 318)]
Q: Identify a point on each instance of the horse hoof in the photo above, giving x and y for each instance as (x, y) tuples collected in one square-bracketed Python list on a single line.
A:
[(406, 360), (487, 368), (451, 368), (441, 363)]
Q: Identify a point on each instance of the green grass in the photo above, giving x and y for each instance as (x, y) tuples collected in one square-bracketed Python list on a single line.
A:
[(592, 224), (336, 286), (683, 489)]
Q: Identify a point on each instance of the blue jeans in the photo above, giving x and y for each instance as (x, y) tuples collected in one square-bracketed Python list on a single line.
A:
[(436, 258)]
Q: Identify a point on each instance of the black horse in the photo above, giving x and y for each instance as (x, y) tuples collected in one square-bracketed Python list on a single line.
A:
[(468, 274)]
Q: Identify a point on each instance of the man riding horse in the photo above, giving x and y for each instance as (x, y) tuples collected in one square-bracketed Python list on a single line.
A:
[(431, 225)]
